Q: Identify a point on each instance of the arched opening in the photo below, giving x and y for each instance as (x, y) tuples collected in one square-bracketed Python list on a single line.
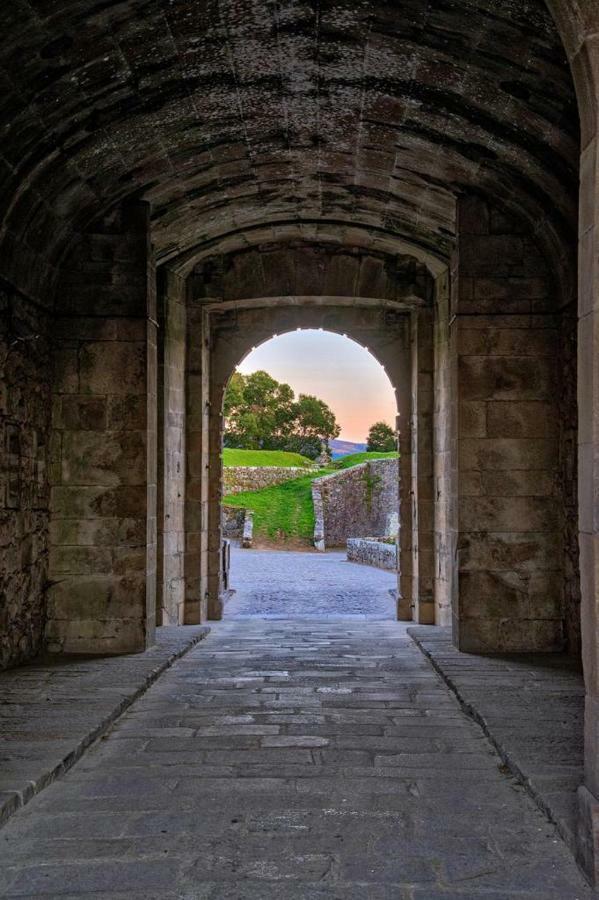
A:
[(303, 493), (388, 335)]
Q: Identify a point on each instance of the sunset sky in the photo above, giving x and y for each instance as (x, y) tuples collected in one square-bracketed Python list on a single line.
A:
[(334, 368)]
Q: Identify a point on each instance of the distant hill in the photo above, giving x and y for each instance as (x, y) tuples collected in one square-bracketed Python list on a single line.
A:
[(344, 448)]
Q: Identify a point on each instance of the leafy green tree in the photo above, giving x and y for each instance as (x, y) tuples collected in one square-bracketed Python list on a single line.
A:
[(381, 438), (263, 414), (258, 412)]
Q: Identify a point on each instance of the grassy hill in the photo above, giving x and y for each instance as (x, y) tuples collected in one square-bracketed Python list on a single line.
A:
[(284, 512), (233, 457)]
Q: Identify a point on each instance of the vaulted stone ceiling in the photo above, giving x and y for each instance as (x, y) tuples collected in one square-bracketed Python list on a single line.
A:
[(241, 117)]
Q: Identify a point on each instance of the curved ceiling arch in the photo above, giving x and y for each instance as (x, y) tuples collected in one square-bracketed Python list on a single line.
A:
[(230, 114)]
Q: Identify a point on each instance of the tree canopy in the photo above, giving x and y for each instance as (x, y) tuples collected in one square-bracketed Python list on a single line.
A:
[(381, 438), (262, 413)]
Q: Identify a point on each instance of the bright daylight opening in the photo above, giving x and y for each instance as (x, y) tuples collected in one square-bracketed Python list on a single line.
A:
[(311, 481)]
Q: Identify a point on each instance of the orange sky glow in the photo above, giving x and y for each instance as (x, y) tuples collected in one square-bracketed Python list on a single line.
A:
[(334, 368)]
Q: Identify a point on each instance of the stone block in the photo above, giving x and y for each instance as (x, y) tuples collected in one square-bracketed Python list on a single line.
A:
[(112, 459), (507, 454), (127, 413), (70, 560), (506, 378), (81, 413), (515, 483), (514, 419), (530, 552), (512, 514), (113, 368), (99, 598), (473, 419)]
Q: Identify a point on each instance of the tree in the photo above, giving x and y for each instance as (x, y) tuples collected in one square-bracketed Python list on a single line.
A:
[(263, 414), (381, 438), (314, 426), (258, 412)]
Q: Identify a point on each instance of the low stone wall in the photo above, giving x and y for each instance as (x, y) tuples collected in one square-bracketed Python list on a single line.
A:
[(356, 502), (238, 524), (233, 518), (371, 552), (237, 479)]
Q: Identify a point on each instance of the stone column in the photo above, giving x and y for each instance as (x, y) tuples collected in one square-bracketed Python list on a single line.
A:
[(196, 466), (505, 343), (588, 474), (423, 563), (172, 316), (445, 456), (102, 590), (408, 511)]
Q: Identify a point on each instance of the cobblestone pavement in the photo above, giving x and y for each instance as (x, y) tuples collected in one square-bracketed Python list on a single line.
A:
[(290, 760), (275, 584)]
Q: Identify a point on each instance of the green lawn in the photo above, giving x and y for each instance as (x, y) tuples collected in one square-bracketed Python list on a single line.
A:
[(354, 459), (233, 457), (283, 511)]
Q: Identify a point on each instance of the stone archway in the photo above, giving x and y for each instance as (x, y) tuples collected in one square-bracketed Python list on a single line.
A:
[(386, 333)]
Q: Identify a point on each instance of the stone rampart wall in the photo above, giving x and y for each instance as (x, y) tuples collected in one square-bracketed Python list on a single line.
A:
[(371, 552), (357, 502), (24, 494), (237, 479)]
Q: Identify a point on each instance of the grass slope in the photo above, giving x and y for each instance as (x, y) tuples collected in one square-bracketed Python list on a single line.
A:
[(232, 457), (284, 512)]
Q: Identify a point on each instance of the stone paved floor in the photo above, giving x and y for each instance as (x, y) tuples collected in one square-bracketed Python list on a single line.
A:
[(50, 711), (532, 706), (292, 760), (275, 584)]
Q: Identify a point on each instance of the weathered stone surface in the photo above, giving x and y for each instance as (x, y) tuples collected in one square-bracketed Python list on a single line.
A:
[(261, 760), (532, 708), (371, 552), (25, 460), (51, 712), (511, 460), (356, 502)]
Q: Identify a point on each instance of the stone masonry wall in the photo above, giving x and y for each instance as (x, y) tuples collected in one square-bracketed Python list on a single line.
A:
[(371, 552), (510, 509), (237, 479), (568, 435), (24, 494), (359, 502), (103, 473)]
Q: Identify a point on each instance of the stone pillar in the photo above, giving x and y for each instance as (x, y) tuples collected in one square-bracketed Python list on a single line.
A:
[(505, 338), (408, 509), (445, 457), (588, 475), (102, 569), (196, 465), (423, 563), (172, 317)]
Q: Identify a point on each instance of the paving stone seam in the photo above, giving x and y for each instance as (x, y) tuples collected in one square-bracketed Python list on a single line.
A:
[(21, 796), (503, 753)]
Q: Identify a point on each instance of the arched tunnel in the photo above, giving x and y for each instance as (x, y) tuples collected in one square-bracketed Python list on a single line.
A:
[(182, 180)]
